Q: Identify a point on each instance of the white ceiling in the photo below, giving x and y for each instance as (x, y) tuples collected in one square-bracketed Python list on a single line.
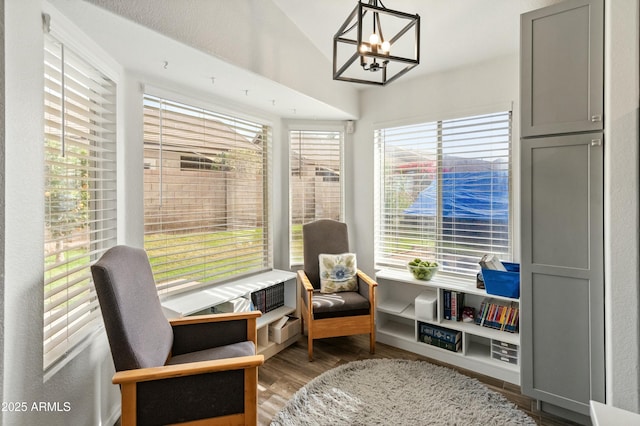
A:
[(453, 33), (167, 60)]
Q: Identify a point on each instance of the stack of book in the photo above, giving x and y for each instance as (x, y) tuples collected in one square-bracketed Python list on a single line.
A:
[(269, 298), (503, 316), (441, 337), (453, 304), (491, 261)]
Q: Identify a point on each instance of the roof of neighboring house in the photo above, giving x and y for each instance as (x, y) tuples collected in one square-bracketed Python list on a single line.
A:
[(182, 132)]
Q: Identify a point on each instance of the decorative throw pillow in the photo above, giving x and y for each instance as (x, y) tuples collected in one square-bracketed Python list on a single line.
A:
[(338, 272)]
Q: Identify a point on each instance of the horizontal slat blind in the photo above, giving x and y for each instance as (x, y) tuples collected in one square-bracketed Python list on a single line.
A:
[(315, 182), (205, 192), (80, 193), (444, 192)]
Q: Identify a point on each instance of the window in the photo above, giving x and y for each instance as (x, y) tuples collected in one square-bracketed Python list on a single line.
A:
[(443, 192), (205, 194), (315, 184), (195, 163), (80, 193)]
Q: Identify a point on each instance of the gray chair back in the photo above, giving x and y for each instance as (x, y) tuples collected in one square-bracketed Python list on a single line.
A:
[(139, 334), (322, 236)]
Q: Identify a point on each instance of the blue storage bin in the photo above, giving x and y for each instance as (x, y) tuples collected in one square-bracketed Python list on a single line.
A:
[(503, 283)]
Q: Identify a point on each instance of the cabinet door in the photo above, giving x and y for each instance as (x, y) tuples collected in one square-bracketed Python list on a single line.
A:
[(562, 68), (562, 282)]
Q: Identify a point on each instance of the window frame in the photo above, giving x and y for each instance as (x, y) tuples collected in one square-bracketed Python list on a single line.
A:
[(295, 237), (195, 104), (95, 61)]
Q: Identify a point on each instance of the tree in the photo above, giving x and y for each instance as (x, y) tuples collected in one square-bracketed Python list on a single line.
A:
[(66, 192)]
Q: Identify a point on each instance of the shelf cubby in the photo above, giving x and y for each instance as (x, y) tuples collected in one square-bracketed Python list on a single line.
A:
[(397, 322), (203, 300)]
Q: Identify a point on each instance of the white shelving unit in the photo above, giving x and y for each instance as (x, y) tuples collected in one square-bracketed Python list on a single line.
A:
[(202, 300), (397, 323)]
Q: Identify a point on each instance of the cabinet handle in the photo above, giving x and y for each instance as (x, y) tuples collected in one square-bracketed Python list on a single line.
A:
[(596, 118), (596, 142)]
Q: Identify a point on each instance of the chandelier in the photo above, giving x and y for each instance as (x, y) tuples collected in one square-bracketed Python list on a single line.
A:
[(369, 55)]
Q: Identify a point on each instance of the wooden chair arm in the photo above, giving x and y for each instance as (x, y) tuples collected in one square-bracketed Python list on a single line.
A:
[(201, 319), (368, 291), (307, 288), (366, 279), (304, 280), (188, 369)]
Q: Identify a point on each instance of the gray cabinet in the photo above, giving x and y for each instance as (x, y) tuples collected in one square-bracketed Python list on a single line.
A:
[(562, 300), (562, 68), (562, 277)]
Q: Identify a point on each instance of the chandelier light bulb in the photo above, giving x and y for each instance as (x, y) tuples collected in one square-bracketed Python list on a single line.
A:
[(362, 44)]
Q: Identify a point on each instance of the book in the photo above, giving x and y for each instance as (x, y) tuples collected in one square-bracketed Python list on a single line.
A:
[(457, 305), (448, 335), (500, 315), (513, 324), (480, 313), (454, 305), (257, 298), (269, 298), (434, 341), (447, 304), (491, 261)]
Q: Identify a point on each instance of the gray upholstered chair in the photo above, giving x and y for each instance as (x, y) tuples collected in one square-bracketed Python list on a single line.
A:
[(336, 314), (184, 370)]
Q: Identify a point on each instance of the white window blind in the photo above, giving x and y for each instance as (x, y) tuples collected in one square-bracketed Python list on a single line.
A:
[(80, 193), (315, 182), (205, 194), (444, 192)]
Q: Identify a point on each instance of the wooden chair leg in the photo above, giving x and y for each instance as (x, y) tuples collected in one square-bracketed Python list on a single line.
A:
[(129, 396), (251, 396), (310, 342)]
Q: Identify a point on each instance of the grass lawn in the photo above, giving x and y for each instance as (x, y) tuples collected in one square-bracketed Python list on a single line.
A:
[(190, 257), (204, 257)]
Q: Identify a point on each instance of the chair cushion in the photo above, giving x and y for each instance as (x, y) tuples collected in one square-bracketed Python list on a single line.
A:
[(343, 304), (229, 351), (338, 272)]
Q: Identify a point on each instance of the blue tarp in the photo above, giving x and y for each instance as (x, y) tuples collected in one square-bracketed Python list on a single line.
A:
[(466, 195)]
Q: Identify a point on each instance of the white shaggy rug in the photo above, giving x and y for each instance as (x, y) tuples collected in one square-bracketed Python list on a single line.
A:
[(397, 392)]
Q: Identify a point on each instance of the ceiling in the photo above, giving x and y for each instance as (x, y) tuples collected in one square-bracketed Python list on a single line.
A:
[(453, 34)]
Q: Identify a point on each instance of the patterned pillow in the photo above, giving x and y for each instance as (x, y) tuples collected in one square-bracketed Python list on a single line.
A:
[(338, 272)]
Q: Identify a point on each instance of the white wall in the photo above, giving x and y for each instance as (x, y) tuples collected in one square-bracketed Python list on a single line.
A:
[(622, 322), (85, 380), (253, 35), (2, 204), (481, 88), (80, 382)]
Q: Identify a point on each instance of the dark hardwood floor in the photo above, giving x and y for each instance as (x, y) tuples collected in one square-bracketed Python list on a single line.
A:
[(286, 372)]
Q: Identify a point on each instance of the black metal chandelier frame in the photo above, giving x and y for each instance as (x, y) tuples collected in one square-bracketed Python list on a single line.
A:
[(371, 50)]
